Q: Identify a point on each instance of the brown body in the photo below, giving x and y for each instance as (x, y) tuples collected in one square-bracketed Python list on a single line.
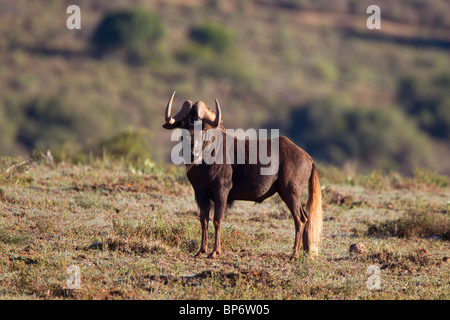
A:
[(222, 184)]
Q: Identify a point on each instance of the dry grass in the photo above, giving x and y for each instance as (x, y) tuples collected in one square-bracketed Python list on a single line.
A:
[(423, 224), (133, 236)]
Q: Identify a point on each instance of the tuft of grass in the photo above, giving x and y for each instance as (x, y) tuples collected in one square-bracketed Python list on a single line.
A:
[(415, 223), (429, 177), (89, 200), (183, 235), (8, 238), (406, 262), (129, 246), (175, 233)]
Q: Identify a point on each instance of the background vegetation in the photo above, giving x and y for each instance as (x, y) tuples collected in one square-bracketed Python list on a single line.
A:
[(348, 95)]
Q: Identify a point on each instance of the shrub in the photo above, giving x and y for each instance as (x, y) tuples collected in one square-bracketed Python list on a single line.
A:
[(428, 101), (131, 31), (415, 223), (338, 133), (47, 122), (59, 125), (129, 145), (213, 55), (211, 35), (7, 132)]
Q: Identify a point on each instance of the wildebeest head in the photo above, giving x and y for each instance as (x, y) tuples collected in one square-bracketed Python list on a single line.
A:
[(189, 116), (189, 113)]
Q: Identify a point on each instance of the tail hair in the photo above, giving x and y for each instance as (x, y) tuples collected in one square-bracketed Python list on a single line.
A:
[(313, 228)]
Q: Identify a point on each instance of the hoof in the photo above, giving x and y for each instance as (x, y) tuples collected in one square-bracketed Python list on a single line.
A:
[(294, 257), (199, 254), (213, 255)]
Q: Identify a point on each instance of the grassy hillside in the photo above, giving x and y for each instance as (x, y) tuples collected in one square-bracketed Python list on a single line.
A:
[(349, 96), (133, 231)]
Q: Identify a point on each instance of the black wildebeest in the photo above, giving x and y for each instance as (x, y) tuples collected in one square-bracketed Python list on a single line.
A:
[(223, 183)]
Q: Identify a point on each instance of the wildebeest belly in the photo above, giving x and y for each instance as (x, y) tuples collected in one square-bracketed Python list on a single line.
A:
[(249, 184)]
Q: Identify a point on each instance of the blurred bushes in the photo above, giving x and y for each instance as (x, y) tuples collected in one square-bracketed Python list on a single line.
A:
[(54, 123), (135, 33), (338, 133), (213, 52), (47, 122), (431, 13), (129, 145), (428, 101), (7, 132), (213, 36), (209, 43)]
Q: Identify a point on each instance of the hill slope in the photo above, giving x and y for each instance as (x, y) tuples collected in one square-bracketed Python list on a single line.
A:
[(285, 56)]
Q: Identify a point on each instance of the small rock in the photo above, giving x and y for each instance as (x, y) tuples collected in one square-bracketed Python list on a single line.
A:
[(358, 247)]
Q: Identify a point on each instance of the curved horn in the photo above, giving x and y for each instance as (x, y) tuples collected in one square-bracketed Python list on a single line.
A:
[(218, 118), (185, 109), (169, 119)]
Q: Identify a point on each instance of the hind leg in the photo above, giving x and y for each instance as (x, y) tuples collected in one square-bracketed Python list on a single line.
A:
[(292, 200), (306, 238), (299, 224)]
